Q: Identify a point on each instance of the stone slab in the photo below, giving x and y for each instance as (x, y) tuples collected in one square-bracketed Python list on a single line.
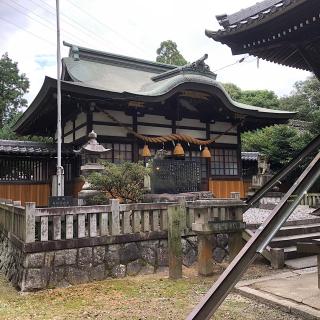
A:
[(294, 292), (301, 263)]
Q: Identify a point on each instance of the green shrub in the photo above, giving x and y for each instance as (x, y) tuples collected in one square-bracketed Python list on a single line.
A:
[(123, 180)]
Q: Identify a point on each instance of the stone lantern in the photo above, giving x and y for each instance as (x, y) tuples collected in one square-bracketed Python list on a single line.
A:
[(90, 154)]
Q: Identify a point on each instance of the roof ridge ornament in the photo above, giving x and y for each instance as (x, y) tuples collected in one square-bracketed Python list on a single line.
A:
[(198, 66), (75, 53)]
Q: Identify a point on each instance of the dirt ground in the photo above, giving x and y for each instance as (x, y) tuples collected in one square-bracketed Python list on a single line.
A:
[(142, 297)]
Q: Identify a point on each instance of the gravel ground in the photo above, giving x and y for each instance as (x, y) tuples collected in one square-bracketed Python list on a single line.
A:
[(256, 215)]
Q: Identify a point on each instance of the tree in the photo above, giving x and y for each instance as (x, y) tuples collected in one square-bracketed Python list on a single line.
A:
[(13, 86), (169, 53), (259, 98), (280, 143), (305, 99), (124, 180)]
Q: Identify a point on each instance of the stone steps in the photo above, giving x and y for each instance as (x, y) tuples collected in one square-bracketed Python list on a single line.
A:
[(287, 238)]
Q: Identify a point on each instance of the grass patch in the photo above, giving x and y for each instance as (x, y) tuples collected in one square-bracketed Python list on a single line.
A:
[(141, 297)]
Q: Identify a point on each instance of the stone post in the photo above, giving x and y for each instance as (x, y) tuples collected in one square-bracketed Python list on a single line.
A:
[(115, 214), (277, 258), (205, 263), (30, 222), (235, 244), (174, 241)]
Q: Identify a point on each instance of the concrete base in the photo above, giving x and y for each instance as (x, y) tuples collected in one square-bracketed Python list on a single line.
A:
[(295, 292)]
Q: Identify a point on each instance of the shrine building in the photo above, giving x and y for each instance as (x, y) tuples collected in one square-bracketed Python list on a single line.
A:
[(138, 107)]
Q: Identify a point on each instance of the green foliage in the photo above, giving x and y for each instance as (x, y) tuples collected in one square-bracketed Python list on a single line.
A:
[(13, 86), (124, 180), (97, 199), (279, 143), (259, 98), (6, 132), (233, 90), (169, 53), (305, 99)]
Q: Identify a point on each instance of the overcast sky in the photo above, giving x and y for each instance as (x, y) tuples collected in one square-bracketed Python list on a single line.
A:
[(133, 28)]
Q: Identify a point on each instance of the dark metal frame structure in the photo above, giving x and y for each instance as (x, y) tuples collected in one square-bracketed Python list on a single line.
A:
[(285, 32)]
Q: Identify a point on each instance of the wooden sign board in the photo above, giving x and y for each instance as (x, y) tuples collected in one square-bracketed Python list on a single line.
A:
[(226, 226), (61, 201)]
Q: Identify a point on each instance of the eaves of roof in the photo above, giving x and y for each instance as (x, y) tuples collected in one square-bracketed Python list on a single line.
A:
[(156, 92), (250, 18), (31, 148)]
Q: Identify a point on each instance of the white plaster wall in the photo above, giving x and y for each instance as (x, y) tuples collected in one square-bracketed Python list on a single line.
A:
[(119, 115), (225, 139), (155, 131), (68, 138), (81, 118), (105, 130), (222, 127), (191, 123), (150, 118), (68, 126), (82, 132), (193, 133)]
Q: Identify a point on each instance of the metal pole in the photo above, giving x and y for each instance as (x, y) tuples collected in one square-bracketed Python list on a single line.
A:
[(217, 293), (59, 166)]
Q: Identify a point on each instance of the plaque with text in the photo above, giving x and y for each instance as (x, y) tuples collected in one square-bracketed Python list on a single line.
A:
[(61, 201)]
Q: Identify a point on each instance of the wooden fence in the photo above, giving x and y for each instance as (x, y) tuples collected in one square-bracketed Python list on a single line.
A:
[(26, 192)]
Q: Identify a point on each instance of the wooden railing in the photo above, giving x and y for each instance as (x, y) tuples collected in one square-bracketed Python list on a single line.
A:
[(32, 224)]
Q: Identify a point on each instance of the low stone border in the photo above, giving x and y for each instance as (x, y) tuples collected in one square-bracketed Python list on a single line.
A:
[(284, 304)]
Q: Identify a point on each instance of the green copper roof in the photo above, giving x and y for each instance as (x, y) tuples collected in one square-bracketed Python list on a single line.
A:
[(108, 76)]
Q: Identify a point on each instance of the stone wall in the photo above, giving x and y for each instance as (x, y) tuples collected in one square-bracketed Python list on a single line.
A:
[(34, 271), (11, 261)]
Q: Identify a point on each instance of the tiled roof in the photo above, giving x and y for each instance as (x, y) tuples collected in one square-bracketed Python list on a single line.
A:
[(31, 148), (251, 15), (249, 156)]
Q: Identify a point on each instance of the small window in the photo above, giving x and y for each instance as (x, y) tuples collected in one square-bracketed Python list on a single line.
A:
[(119, 152), (224, 162)]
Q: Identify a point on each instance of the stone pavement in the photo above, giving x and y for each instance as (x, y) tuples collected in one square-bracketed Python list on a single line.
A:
[(295, 292)]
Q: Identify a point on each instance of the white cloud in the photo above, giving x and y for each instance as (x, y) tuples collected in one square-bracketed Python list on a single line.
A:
[(133, 28)]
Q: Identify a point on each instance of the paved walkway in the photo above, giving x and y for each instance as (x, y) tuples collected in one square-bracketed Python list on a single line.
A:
[(295, 292)]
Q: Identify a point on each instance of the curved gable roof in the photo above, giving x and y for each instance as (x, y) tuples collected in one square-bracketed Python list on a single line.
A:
[(102, 75)]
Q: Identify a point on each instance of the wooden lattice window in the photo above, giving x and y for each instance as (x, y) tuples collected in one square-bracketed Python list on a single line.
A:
[(119, 152), (224, 162)]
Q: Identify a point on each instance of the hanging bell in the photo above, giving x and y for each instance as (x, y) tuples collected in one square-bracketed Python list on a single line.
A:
[(205, 153), (145, 151), (178, 150)]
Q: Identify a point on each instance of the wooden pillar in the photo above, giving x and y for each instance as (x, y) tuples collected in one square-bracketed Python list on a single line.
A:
[(205, 263), (174, 241), (89, 121), (135, 147)]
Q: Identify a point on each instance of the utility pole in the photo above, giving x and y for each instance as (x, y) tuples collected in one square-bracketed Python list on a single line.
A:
[(60, 172)]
